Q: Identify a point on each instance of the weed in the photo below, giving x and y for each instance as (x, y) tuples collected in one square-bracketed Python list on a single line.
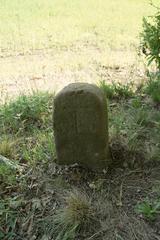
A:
[(136, 102), (153, 88), (123, 91), (107, 89), (116, 90), (151, 38), (149, 209)]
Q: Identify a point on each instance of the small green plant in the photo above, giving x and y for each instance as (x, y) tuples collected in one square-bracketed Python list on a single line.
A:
[(107, 89), (136, 103), (153, 88), (149, 209), (116, 90), (150, 38), (123, 90)]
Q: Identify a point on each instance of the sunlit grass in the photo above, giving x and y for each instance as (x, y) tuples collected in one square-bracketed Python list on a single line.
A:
[(28, 25), (56, 42)]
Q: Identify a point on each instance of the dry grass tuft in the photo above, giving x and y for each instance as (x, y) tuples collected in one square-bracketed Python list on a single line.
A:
[(76, 216), (7, 148), (78, 209)]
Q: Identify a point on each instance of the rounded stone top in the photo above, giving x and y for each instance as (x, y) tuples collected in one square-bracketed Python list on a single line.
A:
[(80, 88)]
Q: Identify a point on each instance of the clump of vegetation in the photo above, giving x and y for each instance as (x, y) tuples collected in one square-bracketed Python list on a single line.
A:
[(78, 209), (77, 215), (108, 89), (116, 91), (7, 147), (7, 176), (153, 87), (150, 37), (150, 209), (150, 46), (26, 112)]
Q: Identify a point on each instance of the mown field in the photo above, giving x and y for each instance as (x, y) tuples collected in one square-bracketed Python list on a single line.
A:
[(31, 25)]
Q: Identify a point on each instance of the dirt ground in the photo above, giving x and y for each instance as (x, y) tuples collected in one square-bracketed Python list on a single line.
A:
[(50, 70)]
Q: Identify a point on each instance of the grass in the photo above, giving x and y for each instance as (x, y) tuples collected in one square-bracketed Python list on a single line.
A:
[(153, 87), (45, 45), (116, 90), (7, 177), (78, 214), (31, 25), (46, 191), (94, 40), (25, 112), (40, 148), (149, 209), (7, 148), (79, 209), (9, 221), (30, 120)]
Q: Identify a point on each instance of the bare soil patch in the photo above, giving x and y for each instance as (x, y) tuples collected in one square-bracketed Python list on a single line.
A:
[(50, 70)]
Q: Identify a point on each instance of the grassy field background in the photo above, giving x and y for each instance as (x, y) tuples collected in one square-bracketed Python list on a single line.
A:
[(30, 25), (46, 44)]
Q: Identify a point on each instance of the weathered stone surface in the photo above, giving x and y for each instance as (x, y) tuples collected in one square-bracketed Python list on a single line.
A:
[(81, 126)]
